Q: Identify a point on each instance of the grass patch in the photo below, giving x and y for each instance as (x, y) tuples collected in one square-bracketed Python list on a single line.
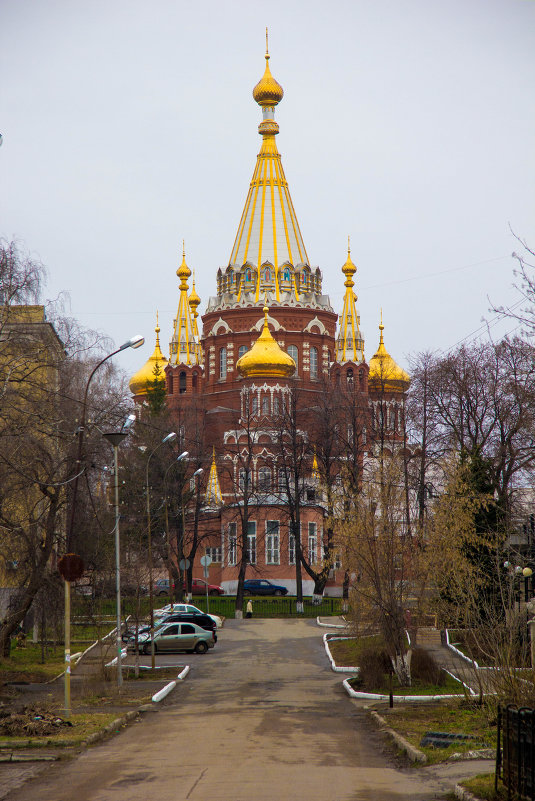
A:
[(483, 787), (83, 726), (347, 652), (25, 664), (454, 717)]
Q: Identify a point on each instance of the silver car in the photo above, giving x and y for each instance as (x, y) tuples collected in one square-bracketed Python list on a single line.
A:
[(176, 637)]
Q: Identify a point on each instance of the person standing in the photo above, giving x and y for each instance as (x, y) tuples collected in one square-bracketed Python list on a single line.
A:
[(249, 609)]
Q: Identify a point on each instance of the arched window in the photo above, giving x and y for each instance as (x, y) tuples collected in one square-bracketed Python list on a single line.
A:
[(276, 405), (294, 353), (182, 382), (264, 479), (254, 405), (242, 350), (265, 405), (194, 382), (223, 363), (349, 375), (313, 362)]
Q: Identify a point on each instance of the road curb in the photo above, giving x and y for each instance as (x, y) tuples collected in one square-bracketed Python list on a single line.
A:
[(464, 795), (413, 753)]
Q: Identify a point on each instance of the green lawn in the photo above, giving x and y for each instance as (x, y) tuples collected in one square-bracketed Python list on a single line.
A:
[(455, 717), (418, 687), (25, 663)]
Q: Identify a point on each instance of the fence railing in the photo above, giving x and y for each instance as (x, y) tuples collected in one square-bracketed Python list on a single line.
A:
[(515, 751), (223, 605)]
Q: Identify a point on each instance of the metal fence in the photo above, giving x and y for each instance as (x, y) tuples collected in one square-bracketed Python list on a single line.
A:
[(515, 752), (272, 607)]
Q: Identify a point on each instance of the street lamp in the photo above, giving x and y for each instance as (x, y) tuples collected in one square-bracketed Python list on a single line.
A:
[(181, 548), (168, 438), (115, 438), (169, 572), (69, 575)]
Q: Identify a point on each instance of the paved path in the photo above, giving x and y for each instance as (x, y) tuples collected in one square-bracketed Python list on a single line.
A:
[(260, 717)]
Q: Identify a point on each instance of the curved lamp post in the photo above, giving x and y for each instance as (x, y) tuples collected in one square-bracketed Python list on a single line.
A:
[(182, 508), (169, 438), (170, 575), (115, 438), (134, 342)]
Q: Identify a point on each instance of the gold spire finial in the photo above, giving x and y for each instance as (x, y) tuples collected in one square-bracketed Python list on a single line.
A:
[(348, 246), (268, 92), (157, 329)]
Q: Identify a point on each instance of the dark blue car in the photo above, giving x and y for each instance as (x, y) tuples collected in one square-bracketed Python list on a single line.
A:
[(263, 587)]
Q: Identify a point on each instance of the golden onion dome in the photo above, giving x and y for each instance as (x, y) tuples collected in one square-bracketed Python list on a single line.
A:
[(266, 358), (268, 92), (385, 374), (140, 382), (193, 299), (183, 271)]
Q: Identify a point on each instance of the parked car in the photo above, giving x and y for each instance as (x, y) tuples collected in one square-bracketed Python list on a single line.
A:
[(171, 609), (198, 587), (176, 637), (263, 587)]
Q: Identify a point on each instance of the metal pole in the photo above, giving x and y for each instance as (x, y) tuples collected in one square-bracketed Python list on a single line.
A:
[(153, 658), (67, 649), (118, 569)]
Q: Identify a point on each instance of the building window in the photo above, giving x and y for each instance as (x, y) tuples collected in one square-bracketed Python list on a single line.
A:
[(254, 405), (265, 405), (313, 362), (349, 375), (244, 481), (242, 350), (250, 553), (223, 363), (264, 479), (170, 383), (215, 553), (194, 382), (294, 353), (272, 542), (276, 405), (291, 549), (282, 480), (312, 543), (232, 544), (182, 382)]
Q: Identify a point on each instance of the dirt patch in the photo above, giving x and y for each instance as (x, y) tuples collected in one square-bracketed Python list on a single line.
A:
[(31, 721)]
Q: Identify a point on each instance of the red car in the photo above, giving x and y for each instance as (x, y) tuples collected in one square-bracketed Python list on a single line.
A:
[(198, 587)]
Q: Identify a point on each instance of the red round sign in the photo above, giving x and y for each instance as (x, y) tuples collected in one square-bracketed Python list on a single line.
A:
[(71, 567)]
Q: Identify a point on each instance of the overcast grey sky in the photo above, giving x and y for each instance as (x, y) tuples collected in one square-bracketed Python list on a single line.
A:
[(407, 124)]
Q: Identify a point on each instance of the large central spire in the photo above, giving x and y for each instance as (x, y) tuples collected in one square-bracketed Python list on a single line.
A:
[(268, 229), (268, 262)]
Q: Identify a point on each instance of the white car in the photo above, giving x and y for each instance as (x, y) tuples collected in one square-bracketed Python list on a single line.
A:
[(169, 609)]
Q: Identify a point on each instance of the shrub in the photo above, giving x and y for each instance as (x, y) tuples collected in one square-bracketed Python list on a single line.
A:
[(374, 664), (424, 668)]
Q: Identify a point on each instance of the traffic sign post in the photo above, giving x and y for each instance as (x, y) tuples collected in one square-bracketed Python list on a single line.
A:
[(206, 561)]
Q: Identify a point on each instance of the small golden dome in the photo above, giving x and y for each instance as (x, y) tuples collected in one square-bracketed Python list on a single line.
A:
[(349, 268), (183, 271), (385, 374), (193, 300), (268, 92), (140, 382), (266, 358)]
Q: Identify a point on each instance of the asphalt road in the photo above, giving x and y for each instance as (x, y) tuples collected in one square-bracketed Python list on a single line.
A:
[(260, 717)]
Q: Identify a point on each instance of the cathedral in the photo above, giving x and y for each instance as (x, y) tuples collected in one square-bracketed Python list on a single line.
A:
[(267, 335)]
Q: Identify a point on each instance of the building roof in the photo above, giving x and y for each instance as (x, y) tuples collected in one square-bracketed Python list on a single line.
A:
[(385, 374), (266, 358)]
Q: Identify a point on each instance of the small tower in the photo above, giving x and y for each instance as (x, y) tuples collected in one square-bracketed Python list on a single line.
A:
[(184, 371), (349, 343)]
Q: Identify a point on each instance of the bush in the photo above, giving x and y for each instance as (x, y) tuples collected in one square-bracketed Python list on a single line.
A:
[(374, 664), (424, 668)]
